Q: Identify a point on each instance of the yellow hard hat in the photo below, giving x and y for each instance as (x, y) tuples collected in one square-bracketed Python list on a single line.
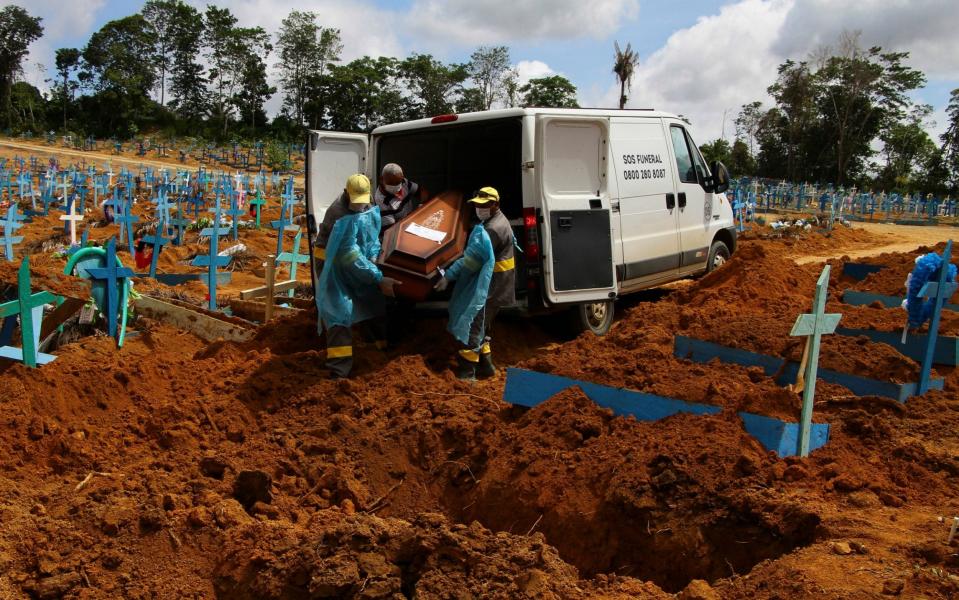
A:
[(358, 189), (485, 195)]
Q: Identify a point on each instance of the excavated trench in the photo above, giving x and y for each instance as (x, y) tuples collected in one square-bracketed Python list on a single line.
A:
[(668, 544), (609, 498)]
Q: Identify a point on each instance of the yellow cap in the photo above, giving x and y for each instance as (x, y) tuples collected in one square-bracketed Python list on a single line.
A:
[(358, 189), (484, 196)]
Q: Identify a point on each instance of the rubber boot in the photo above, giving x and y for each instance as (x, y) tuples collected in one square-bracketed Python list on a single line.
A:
[(485, 368), (465, 369)]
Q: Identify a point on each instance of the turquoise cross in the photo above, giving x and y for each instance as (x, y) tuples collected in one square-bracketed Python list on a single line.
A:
[(941, 291), (812, 326), (115, 275), (29, 307), (293, 258)]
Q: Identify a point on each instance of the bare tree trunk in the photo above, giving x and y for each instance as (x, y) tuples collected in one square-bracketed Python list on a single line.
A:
[(622, 94)]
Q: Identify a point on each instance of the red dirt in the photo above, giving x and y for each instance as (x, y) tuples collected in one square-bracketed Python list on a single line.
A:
[(175, 468)]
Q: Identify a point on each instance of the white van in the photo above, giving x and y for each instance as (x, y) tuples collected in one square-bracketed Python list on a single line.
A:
[(602, 202)]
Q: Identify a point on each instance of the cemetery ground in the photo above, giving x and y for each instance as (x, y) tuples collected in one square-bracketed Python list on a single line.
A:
[(176, 467)]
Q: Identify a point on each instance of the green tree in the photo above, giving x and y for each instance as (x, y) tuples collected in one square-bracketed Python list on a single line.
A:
[(717, 149), (363, 94), (863, 91), (624, 66), (254, 91), (747, 124), (434, 86), (187, 79), (27, 104), (161, 16), (305, 50), (17, 31), (113, 67), (908, 151), (554, 91), (741, 161), (795, 91), (490, 70), (67, 59), (950, 143)]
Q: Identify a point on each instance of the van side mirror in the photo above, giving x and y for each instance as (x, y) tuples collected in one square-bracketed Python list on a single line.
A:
[(719, 181)]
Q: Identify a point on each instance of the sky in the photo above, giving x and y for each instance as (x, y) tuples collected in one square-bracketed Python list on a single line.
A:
[(700, 58)]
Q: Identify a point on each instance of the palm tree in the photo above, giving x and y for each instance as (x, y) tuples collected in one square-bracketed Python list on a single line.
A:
[(624, 67)]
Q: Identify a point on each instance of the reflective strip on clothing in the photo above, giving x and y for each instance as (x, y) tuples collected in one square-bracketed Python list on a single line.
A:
[(485, 349), (470, 355), (504, 265), (319, 253), (350, 257), (339, 351)]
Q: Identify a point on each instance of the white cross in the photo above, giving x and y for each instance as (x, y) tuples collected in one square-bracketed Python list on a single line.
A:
[(72, 218)]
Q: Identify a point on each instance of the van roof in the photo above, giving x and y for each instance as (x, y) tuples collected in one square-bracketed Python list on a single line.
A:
[(521, 112)]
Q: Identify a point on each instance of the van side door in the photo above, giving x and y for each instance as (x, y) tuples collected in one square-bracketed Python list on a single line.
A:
[(694, 204), (571, 163), (647, 201)]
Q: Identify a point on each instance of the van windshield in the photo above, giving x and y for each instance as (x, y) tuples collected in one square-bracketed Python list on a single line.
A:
[(461, 157)]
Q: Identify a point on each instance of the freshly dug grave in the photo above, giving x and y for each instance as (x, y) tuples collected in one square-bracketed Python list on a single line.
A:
[(174, 468)]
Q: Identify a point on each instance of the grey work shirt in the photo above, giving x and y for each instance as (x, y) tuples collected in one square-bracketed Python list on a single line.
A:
[(339, 207), (502, 287)]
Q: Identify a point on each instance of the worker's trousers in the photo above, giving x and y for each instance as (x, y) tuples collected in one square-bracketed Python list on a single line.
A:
[(339, 345), (481, 330)]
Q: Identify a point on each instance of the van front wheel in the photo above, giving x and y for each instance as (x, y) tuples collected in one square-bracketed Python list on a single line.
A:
[(718, 255), (596, 317)]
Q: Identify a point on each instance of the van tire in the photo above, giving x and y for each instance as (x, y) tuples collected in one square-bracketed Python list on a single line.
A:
[(718, 256), (596, 317)]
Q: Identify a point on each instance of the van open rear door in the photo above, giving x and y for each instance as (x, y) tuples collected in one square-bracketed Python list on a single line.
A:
[(331, 157), (571, 163)]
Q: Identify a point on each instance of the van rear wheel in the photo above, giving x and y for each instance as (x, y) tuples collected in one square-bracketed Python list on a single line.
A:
[(596, 317)]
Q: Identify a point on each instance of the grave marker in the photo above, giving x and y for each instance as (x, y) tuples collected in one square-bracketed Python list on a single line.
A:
[(115, 275), (29, 307), (940, 291), (812, 326)]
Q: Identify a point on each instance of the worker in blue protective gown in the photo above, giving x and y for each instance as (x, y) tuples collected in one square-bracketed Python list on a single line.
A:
[(485, 281), (351, 287)]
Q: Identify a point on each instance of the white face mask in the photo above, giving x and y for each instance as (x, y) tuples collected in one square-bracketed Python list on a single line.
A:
[(392, 189), (484, 213)]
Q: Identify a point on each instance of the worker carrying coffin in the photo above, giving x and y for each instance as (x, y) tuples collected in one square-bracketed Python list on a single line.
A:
[(484, 281), (351, 288)]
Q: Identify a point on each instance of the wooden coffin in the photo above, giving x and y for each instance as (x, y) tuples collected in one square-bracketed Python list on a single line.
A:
[(428, 238)]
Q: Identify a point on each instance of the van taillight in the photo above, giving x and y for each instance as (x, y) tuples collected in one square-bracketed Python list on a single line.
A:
[(531, 247), (444, 119)]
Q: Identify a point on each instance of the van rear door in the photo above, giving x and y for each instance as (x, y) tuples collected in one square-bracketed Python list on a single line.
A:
[(331, 157), (571, 159)]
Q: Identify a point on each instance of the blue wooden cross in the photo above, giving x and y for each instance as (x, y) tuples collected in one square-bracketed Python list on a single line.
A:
[(813, 326), (157, 241), (124, 217), (293, 258), (235, 213), (213, 260), (941, 291), (13, 222), (180, 223), (257, 204), (29, 307), (116, 277)]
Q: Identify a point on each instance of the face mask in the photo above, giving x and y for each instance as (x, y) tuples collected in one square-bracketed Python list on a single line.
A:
[(484, 213), (392, 189)]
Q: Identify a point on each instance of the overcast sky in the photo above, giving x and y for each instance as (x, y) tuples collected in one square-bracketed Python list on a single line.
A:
[(699, 58)]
